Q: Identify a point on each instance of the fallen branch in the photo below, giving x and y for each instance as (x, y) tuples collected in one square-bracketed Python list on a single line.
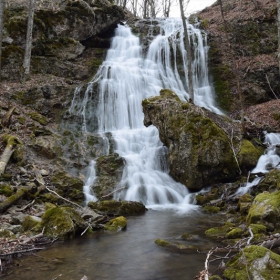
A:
[(69, 201), (12, 199), (251, 237), (7, 118), (21, 252), (12, 142), (232, 147)]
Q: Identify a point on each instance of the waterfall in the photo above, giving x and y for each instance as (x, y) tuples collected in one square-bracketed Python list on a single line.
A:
[(269, 160), (124, 79)]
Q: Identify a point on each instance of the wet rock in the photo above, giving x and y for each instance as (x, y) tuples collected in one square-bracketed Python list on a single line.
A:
[(109, 172), (199, 146), (116, 208), (116, 224)]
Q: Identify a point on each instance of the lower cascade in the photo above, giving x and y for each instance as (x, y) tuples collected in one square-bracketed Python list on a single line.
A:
[(124, 79), (269, 160)]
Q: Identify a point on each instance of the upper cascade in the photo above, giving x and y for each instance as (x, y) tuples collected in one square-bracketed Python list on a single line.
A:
[(125, 78)]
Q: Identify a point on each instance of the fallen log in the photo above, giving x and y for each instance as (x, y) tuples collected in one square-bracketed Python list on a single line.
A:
[(12, 199), (7, 118), (11, 144)]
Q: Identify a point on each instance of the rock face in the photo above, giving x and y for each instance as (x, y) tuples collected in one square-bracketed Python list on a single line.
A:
[(199, 150), (62, 31), (252, 31)]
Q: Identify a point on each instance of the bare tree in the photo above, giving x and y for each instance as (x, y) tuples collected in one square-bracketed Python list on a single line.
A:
[(278, 24), (28, 44), (166, 5), (188, 49), (2, 7)]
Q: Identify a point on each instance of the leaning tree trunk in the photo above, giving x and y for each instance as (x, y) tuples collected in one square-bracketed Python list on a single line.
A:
[(2, 7), (189, 52), (12, 142), (28, 44)]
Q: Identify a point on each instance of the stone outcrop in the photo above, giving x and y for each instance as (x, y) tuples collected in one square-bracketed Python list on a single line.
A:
[(252, 31), (62, 33), (200, 151)]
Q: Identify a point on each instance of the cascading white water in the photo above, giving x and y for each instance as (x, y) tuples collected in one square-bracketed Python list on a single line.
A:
[(124, 79), (269, 160)]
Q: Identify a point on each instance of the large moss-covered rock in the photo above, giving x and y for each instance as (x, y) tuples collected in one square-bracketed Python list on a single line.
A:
[(265, 210), (62, 222), (116, 208), (254, 262), (199, 147)]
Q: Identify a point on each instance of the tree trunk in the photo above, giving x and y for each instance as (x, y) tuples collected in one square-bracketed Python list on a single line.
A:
[(189, 53), (2, 7), (278, 24), (28, 44)]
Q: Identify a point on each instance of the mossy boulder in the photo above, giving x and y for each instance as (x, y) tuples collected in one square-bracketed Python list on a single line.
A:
[(248, 155), (116, 224), (253, 262), (220, 231), (265, 210), (62, 222), (116, 208), (200, 153), (271, 182), (244, 203), (235, 233), (46, 146), (29, 223), (68, 186), (109, 171)]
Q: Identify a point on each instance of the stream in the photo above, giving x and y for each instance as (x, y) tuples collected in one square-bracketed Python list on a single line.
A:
[(129, 254)]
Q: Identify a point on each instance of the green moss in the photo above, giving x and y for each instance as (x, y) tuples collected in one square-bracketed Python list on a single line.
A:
[(6, 190), (265, 208), (162, 242), (116, 224), (220, 231), (253, 261), (38, 118), (249, 154), (211, 209), (29, 223), (235, 233), (61, 222), (5, 233)]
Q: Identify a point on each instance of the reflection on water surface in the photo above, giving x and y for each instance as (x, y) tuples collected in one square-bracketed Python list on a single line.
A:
[(130, 254)]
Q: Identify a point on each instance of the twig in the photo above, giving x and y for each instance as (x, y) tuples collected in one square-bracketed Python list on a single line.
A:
[(252, 236), (21, 252), (57, 277), (89, 226), (26, 206), (63, 198), (248, 177), (232, 147), (270, 87)]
